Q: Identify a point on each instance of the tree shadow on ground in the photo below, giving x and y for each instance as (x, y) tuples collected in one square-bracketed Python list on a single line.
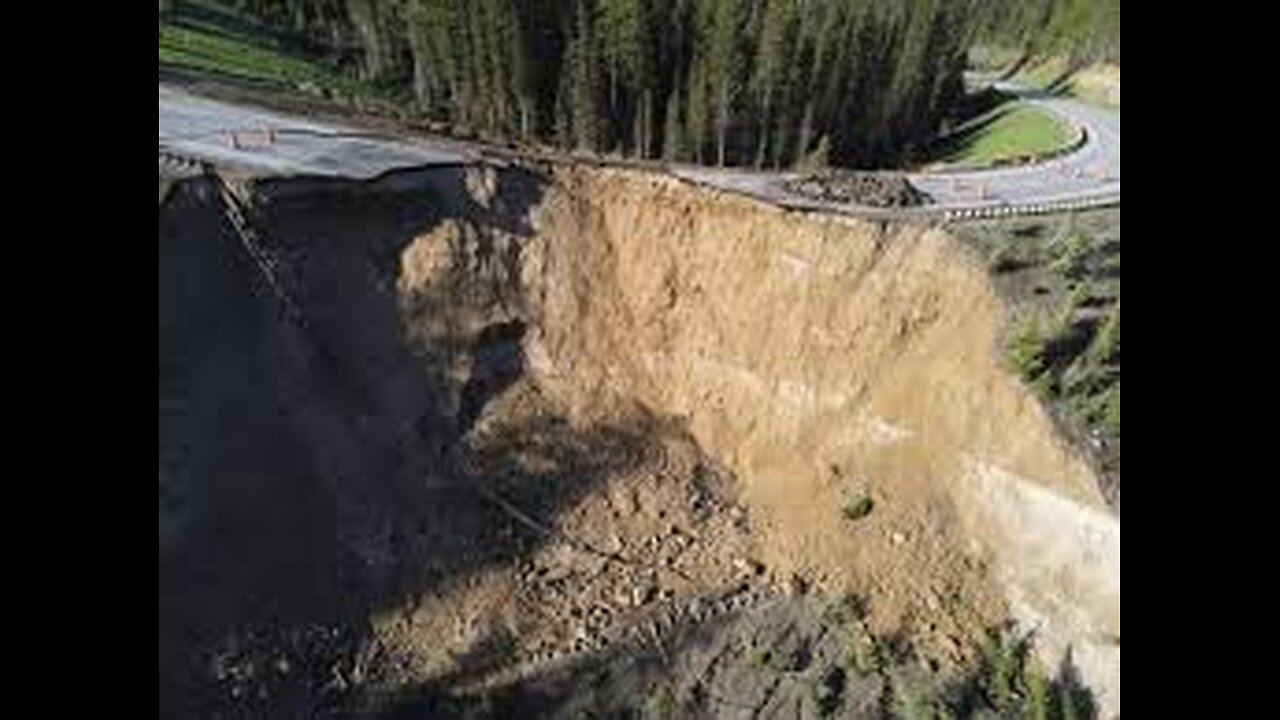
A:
[(776, 660), (978, 111), (960, 141), (620, 681), (1060, 85)]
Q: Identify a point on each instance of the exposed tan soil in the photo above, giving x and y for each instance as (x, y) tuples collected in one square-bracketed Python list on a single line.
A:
[(515, 415)]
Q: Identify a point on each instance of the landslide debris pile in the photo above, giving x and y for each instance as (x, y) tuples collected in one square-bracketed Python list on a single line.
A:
[(872, 189), (434, 436)]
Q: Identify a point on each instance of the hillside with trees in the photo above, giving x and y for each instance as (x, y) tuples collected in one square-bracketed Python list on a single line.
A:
[(1082, 31), (759, 83)]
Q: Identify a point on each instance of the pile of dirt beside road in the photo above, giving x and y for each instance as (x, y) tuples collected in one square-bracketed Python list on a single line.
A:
[(871, 189)]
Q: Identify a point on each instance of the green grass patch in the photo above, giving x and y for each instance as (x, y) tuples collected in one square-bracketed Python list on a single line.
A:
[(1008, 134), (205, 50), (201, 45)]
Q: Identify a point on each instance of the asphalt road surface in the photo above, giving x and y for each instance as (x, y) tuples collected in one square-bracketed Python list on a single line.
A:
[(1088, 175), (270, 143)]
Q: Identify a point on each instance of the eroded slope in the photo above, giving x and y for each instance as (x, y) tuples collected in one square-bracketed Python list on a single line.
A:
[(536, 413)]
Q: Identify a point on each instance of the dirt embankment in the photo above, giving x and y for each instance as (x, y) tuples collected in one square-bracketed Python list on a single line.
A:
[(822, 358), (523, 414)]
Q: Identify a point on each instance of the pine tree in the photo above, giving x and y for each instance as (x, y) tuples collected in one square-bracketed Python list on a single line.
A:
[(727, 68), (773, 62), (584, 81)]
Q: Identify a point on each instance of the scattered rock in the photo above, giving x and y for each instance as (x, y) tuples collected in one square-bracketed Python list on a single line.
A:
[(697, 502), (612, 544), (593, 565), (858, 508), (643, 594), (748, 568), (797, 585), (599, 615)]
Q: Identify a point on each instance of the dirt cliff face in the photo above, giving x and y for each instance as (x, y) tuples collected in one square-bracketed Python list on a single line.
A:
[(659, 392), (825, 359)]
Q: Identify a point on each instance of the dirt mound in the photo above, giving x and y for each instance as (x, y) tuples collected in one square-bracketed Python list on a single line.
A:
[(872, 189), (436, 430)]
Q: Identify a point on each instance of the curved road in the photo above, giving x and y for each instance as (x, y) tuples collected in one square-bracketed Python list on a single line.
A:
[(1087, 176), (1090, 174), (265, 142)]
